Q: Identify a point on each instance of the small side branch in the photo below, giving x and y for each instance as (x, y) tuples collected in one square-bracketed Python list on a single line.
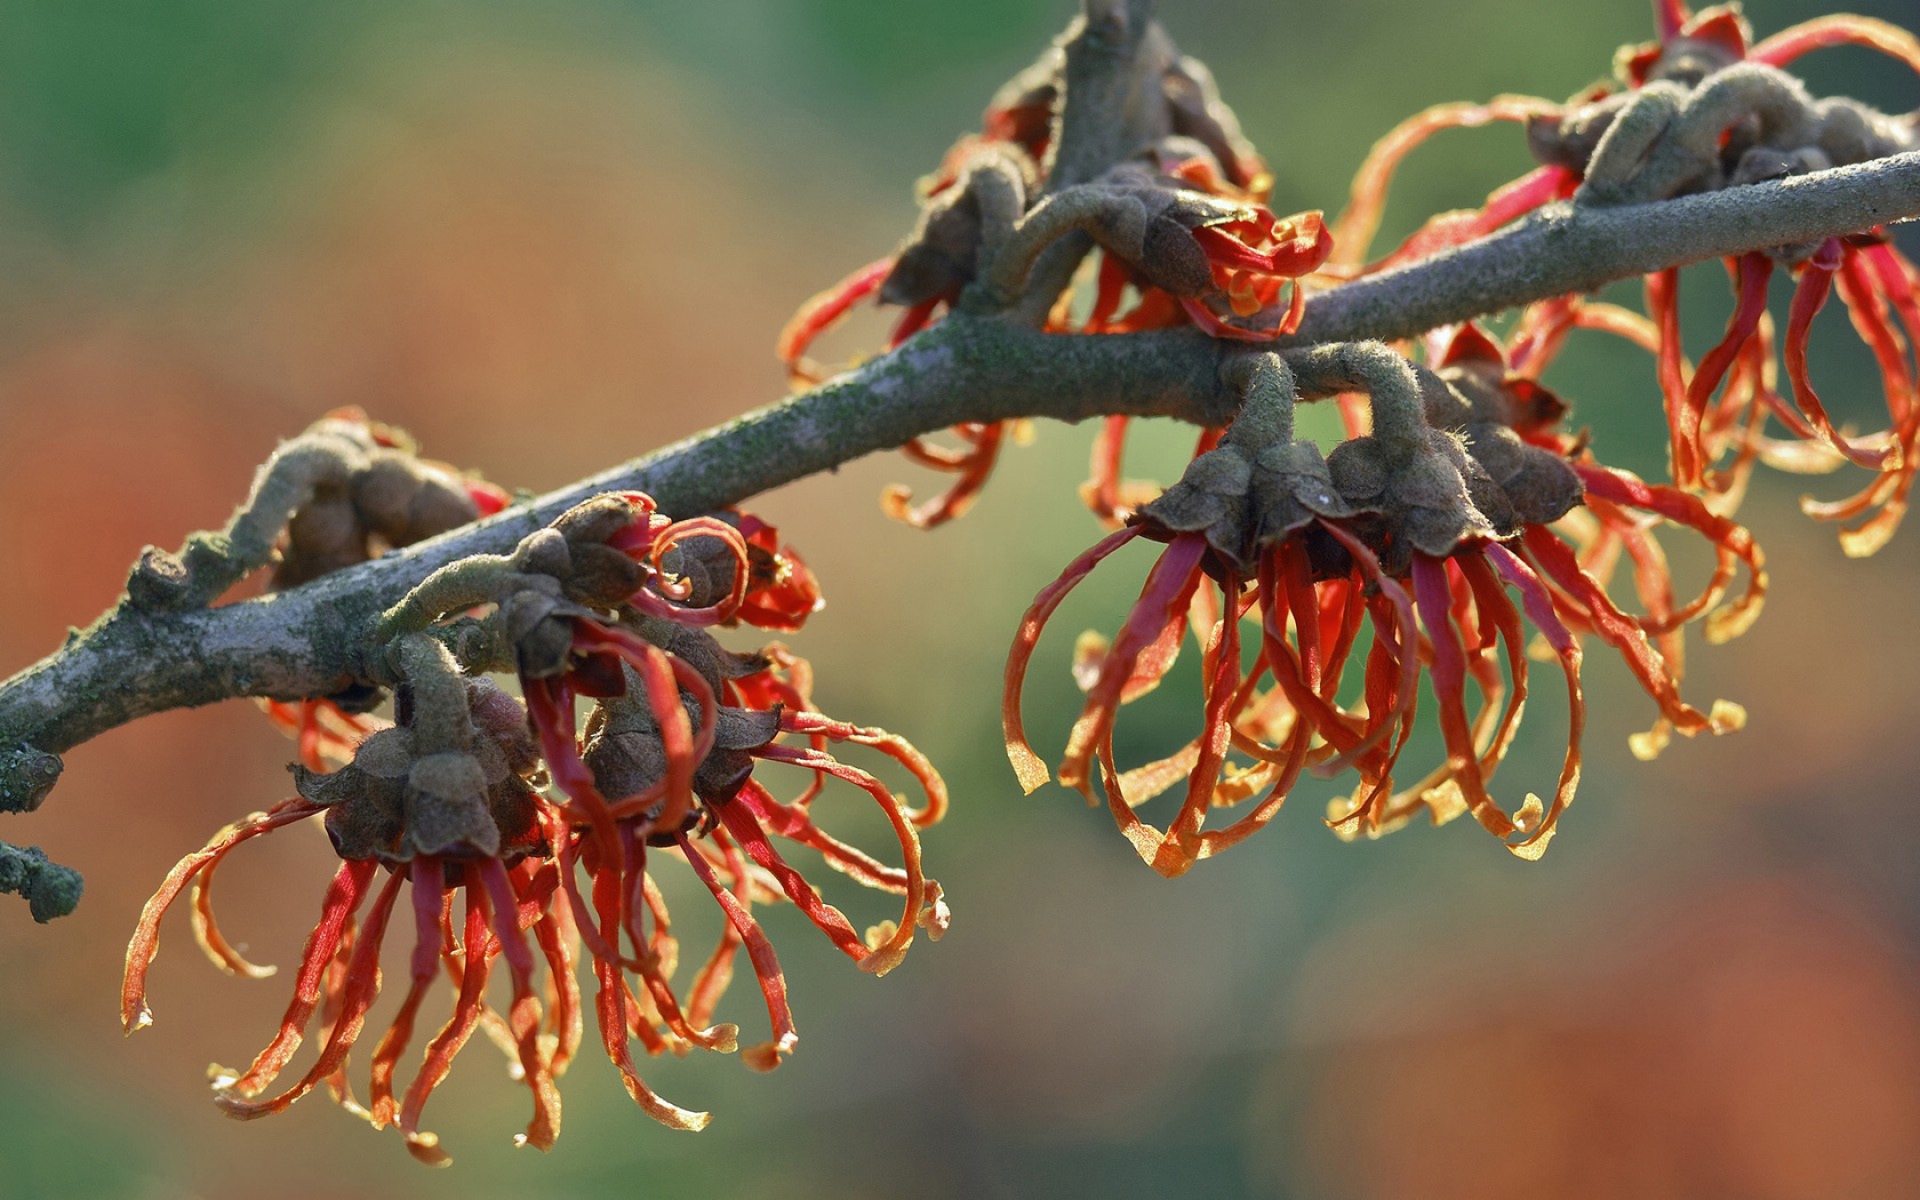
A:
[(49, 889)]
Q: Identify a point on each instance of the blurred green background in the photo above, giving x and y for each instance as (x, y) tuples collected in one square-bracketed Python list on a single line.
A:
[(547, 236)]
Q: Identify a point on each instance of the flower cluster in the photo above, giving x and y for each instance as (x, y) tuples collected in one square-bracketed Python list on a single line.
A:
[(1183, 233), (1460, 511), (1406, 553), (1701, 108), (1461, 533), (526, 836)]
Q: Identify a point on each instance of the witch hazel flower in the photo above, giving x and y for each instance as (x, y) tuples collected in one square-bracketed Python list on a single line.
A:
[(1621, 513), (1229, 264), (1876, 285), (668, 760), (1178, 244), (1564, 137), (1249, 527), (494, 811), (993, 183), (1692, 45), (985, 184), (1705, 107), (1404, 554), (1571, 552), (439, 801)]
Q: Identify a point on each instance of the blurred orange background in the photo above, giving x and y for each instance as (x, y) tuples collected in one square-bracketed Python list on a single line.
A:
[(546, 238)]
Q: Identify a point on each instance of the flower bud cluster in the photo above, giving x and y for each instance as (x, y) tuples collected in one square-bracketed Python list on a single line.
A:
[(1418, 545), (1181, 220), (1707, 107), (503, 805), (376, 493)]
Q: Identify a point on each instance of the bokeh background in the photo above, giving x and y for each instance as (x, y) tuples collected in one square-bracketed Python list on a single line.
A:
[(545, 237)]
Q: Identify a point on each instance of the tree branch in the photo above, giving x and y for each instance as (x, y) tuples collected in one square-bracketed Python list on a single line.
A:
[(308, 640), (1565, 248)]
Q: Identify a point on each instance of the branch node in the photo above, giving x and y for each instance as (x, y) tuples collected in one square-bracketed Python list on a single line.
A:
[(162, 581), (26, 776), (50, 889)]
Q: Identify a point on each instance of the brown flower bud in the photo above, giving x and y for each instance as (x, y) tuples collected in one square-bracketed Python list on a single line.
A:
[(596, 519), (539, 624), (697, 648), (706, 566), (366, 798), (544, 552), (502, 723), (942, 254), (405, 499), (1539, 485), (1214, 494), (600, 576), (446, 807), (1292, 485), (1568, 139), (1423, 496), (325, 535)]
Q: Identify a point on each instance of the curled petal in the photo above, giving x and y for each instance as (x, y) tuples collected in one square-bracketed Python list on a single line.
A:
[(523, 1015), (343, 898), (567, 857), (559, 943), (1816, 283), (1168, 590), (821, 313), (1539, 605), (326, 736), (1558, 563), (1838, 29), (892, 745), (1432, 594), (1354, 229), (134, 1012), (452, 1038), (1180, 848), (550, 711), (791, 821), (430, 901), (717, 972), (1751, 275), (1028, 766), (701, 527), (1732, 543), (920, 893), (1509, 203), (973, 466), (1401, 647), (611, 1010), (206, 930), (766, 965), (1670, 17), (638, 895), (362, 983), (740, 822)]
